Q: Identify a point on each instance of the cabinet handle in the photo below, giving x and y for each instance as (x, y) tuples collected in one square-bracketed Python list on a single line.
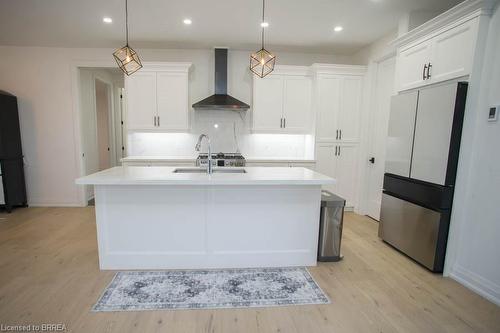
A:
[(154, 120), (158, 121), (281, 122), (284, 122), (429, 71), (424, 77), (340, 138), (335, 150), (339, 150), (336, 138)]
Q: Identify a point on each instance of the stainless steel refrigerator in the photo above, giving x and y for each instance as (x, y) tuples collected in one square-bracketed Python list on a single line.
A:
[(423, 146)]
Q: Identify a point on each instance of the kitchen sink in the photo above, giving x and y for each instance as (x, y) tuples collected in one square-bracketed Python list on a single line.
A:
[(199, 170)]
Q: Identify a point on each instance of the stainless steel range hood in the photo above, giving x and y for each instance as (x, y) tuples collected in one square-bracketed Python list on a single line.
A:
[(221, 100)]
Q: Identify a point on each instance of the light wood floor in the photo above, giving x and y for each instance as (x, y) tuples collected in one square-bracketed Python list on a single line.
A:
[(49, 274)]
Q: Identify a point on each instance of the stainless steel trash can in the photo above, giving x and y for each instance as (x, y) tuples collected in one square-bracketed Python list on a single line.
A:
[(330, 227)]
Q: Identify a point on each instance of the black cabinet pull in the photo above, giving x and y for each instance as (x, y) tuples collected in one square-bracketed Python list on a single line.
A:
[(154, 120), (340, 137), (284, 122), (158, 121), (429, 71), (336, 137), (424, 77), (281, 122), (339, 150)]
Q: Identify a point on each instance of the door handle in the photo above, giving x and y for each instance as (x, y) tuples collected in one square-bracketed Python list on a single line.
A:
[(372, 160), (424, 77), (429, 71)]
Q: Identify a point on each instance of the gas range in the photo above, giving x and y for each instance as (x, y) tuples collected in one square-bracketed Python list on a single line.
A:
[(222, 160)]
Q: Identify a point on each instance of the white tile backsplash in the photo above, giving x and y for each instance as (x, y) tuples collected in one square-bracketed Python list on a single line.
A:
[(218, 125)]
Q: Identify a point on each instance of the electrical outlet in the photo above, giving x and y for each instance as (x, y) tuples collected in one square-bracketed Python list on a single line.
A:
[(493, 113)]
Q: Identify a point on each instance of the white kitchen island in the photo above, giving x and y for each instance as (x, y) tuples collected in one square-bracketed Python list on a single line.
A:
[(157, 218)]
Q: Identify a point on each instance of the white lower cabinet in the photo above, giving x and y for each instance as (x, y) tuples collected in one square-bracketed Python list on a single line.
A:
[(339, 161)]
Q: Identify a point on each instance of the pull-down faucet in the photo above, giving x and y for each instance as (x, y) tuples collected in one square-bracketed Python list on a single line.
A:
[(198, 147)]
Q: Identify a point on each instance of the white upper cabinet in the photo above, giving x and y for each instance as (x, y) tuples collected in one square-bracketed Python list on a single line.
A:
[(268, 103), (412, 66), (328, 106), (282, 101), (141, 100), (157, 98), (338, 95), (442, 55), (172, 93), (350, 109)]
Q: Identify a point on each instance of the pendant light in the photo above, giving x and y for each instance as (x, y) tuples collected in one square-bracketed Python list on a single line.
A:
[(262, 62), (126, 58)]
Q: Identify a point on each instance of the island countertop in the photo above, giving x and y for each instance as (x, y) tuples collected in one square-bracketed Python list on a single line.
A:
[(163, 175)]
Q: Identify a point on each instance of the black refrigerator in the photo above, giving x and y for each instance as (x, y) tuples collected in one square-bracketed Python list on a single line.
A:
[(423, 145), (12, 182)]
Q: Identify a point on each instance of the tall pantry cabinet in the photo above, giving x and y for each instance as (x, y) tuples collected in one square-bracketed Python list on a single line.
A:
[(337, 102)]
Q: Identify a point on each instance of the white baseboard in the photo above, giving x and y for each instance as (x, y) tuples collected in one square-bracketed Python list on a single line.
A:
[(476, 283)]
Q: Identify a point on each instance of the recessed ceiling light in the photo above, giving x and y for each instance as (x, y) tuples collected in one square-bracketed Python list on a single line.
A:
[(216, 125), (264, 24), (187, 21), (107, 19), (338, 28)]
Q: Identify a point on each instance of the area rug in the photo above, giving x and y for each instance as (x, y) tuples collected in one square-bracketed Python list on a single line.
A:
[(210, 289)]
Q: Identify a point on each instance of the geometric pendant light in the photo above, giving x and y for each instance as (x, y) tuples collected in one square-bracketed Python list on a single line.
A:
[(262, 62), (126, 58)]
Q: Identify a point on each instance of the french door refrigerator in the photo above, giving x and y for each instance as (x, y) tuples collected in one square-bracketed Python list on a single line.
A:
[(423, 145)]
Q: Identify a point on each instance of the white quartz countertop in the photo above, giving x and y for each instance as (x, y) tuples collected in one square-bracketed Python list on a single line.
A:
[(163, 175), (193, 158)]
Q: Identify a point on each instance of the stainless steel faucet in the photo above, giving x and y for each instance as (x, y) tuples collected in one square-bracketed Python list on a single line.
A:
[(198, 147)]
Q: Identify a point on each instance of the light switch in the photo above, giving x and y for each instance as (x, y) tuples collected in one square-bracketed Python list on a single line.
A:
[(493, 113)]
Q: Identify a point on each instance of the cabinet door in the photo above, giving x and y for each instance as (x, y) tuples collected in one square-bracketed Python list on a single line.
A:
[(172, 99), (410, 66), (346, 172), (452, 52), (141, 100), (436, 108), (297, 104), (327, 105), (326, 163), (350, 109), (400, 133), (268, 103)]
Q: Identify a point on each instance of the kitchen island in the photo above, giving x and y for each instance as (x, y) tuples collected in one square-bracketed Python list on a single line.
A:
[(169, 218)]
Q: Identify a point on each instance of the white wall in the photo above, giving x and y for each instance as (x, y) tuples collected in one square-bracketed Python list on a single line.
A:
[(473, 252), (42, 79)]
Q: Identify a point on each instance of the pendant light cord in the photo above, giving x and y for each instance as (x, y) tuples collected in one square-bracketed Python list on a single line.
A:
[(263, 20), (126, 20)]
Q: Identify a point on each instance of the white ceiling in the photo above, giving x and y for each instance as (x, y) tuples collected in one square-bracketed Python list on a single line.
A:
[(295, 25)]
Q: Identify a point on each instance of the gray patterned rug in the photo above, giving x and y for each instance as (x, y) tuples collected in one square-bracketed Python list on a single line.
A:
[(210, 289)]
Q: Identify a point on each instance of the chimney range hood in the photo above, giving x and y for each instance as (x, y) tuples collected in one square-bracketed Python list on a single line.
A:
[(221, 100)]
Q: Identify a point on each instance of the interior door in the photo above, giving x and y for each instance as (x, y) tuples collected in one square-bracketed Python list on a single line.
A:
[(268, 103), (328, 105), (172, 99), (434, 121), (297, 104), (326, 162), (411, 65), (346, 167), (350, 110), (400, 133), (141, 100), (379, 120)]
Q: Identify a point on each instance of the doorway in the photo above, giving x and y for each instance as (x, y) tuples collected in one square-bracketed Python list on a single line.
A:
[(384, 89), (100, 92)]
